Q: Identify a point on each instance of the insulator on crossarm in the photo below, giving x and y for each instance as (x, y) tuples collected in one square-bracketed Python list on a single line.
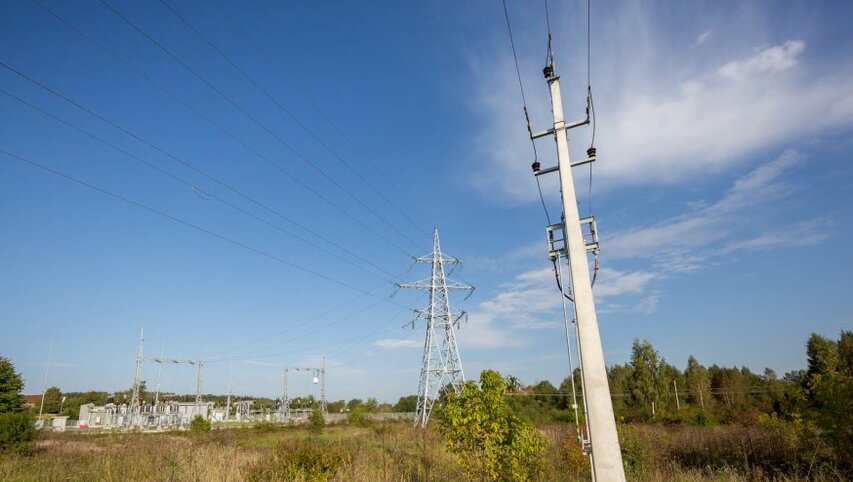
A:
[(535, 166), (590, 152)]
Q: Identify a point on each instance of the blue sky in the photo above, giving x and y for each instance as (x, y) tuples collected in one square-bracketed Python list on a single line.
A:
[(722, 191)]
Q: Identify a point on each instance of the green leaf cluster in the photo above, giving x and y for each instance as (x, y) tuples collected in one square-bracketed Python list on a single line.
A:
[(488, 439)]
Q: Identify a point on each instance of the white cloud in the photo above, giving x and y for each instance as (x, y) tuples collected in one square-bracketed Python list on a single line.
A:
[(702, 38), (611, 282), (532, 302), (664, 113), (538, 325), (393, 344), (770, 60), (676, 242)]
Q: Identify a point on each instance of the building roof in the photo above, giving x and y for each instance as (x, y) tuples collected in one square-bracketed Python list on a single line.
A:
[(32, 399)]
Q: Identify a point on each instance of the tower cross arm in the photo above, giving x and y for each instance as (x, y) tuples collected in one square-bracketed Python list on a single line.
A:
[(417, 285), (455, 285)]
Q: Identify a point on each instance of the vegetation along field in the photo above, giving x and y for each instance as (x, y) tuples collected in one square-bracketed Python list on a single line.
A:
[(727, 424)]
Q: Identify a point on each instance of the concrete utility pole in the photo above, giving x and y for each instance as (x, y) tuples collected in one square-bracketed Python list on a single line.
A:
[(606, 455), (677, 403), (44, 389)]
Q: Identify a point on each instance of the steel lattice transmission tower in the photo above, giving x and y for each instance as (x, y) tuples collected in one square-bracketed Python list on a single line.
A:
[(441, 365)]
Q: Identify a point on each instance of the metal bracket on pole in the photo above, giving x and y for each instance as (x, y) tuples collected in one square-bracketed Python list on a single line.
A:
[(549, 170), (590, 238), (537, 135), (556, 237)]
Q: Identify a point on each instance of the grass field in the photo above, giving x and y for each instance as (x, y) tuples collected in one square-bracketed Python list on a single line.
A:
[(398, 452)]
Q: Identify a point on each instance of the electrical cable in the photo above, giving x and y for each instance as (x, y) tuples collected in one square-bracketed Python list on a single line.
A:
[(559, 285), (340, 132), (217, 125), (209, 196), (195, 227), (524, 103), (255, 120), (296, 120)]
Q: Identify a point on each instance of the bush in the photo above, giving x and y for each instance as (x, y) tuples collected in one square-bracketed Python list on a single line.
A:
[(300, 461), (199, 425), (17, 431), (577, 462), (636, 454), (265, 427), (705, 419), (489, 440), (358, 416), (316, 422)]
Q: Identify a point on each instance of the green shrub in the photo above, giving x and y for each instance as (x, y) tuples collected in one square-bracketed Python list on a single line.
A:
[(705, 419), (489, 440), (199, 425), (265, 427), (316, 422), (310, 461), (17, 431), (636, 454), (358, 416), (577, 462)]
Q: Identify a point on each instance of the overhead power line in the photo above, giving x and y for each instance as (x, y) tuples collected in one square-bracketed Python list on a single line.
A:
[(301, 124), (219, 127), (340, 132), (254, 119), (211, 196), (197, 227), (190, 166)]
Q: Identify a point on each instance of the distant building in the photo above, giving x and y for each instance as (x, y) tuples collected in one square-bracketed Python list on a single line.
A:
[(32, 400)]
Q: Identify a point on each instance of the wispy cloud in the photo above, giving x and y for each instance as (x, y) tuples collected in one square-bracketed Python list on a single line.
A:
[(685, 242), (665, 115), (531, 301), (702, 38), (706, 232), (394, 344)]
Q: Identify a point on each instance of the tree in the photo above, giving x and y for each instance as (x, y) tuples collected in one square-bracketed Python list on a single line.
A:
[(199, 424), (647, 386), (316, 422), (406, 404), (512, 383), (619, 379), (52, 400), (489, 440), (823, 355), (698, 384), (546, 394), (11, 385), (831, 389), (845, 352), (17, 431)]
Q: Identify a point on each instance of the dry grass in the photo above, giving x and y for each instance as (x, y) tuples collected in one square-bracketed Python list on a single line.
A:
[(398, 452)]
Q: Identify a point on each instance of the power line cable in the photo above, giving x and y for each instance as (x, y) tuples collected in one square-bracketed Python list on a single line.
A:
[(254, 119), (218, 126), (187, 164), (210, 196), (414, 206), (196, 227), (298, 122), (526, 114)]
